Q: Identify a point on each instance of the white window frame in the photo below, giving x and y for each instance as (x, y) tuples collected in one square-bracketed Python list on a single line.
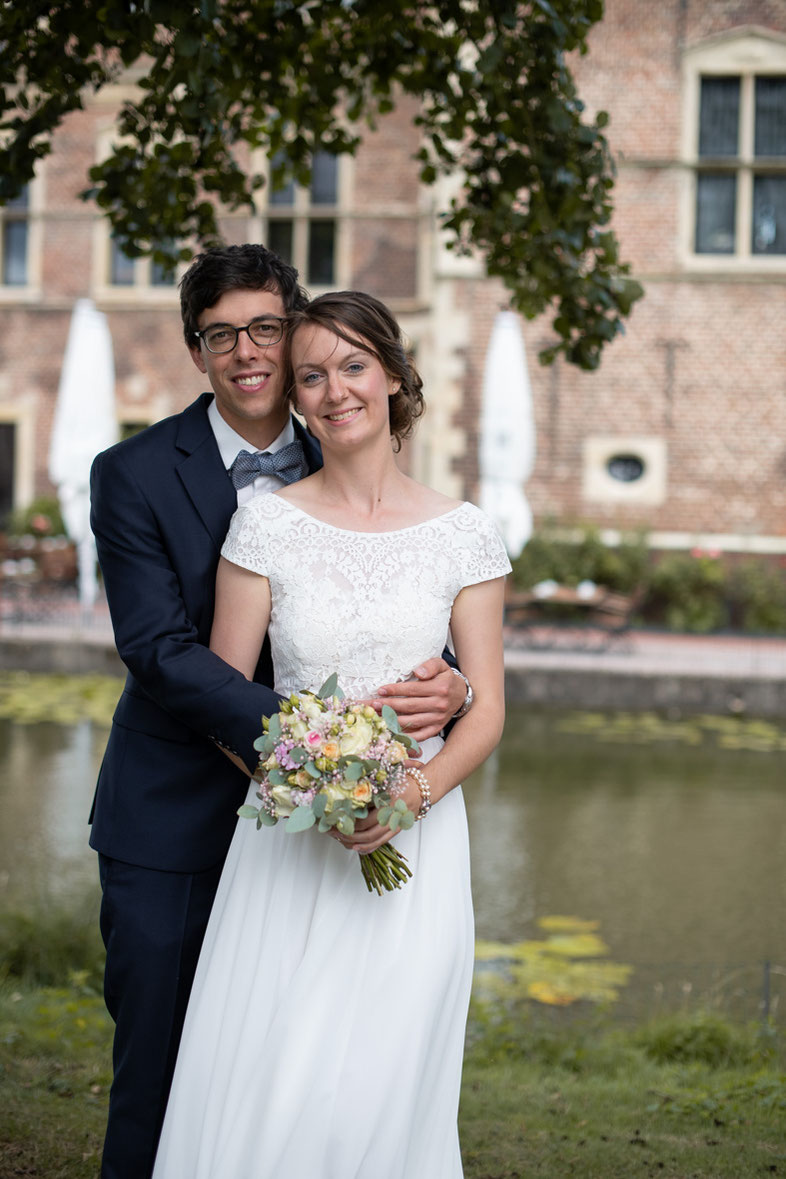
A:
[(22, 416), (30, 290), (142, 291), (301, 213), (746, 53)]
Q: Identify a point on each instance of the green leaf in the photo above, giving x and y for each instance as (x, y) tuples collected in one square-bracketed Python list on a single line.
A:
[(390, 718), (298, 754), (330, 687), (311, 769), (212, 88), (318, 805), (354, 771), (277, 778), (301, 819), (274, 725), (248, 812)]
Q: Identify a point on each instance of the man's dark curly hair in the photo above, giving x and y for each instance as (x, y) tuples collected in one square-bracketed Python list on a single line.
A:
[(247, 267)]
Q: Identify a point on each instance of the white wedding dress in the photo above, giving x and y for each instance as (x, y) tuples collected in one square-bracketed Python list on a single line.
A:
[(325, 1031)]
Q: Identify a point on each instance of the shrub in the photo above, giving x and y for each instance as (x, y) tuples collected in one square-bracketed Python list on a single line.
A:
[(621, 567), (695, 592), (687, 591), (704, 1039), (757, 593), (50, 946), (40, 518)]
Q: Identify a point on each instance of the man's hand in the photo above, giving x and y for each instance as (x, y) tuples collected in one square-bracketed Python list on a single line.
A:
[(425, 703)]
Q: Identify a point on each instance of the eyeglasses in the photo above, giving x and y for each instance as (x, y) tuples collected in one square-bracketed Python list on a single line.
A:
[(222, 337)]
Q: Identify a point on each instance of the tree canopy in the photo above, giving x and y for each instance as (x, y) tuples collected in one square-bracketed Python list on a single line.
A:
[(497, 103)]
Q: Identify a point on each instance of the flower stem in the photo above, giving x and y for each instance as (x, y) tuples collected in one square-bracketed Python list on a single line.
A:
[(384, 869)]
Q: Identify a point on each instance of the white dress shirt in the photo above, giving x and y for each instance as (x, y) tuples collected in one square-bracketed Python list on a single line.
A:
[(230, 443)]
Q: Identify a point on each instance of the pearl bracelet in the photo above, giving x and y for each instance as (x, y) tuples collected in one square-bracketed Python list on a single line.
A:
[(424, 786)]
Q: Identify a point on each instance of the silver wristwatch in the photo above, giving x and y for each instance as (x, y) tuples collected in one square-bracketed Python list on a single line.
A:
[(468, 700)]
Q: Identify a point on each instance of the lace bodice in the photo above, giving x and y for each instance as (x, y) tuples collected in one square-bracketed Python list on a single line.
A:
[(369, 605)]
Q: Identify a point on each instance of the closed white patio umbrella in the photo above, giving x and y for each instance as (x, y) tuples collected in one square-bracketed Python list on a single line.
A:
[(84, 423), (507, 433)]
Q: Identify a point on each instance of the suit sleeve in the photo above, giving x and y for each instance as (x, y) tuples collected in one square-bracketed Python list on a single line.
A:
[(155, 637)]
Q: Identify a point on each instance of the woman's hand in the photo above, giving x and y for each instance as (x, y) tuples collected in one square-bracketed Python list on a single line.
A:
[(369, 834)]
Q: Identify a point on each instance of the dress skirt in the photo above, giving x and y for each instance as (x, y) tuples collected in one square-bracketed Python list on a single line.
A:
[(325, 1031)]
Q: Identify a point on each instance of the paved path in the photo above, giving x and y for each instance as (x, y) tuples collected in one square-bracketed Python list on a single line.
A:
[(561, 667), (647, 653)]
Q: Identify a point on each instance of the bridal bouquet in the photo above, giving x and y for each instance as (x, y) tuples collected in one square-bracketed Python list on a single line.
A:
[(325, 761)]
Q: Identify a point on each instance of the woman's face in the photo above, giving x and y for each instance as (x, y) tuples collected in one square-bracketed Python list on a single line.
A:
[(341, 389)]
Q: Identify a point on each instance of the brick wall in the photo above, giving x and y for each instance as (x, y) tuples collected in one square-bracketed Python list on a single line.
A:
[(701, 368)]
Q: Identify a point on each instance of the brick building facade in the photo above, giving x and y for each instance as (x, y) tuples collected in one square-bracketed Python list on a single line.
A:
[(682, 430)]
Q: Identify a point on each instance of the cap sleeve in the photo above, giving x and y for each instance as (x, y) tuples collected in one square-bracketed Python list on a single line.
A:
[(482, 555), (249, 542)]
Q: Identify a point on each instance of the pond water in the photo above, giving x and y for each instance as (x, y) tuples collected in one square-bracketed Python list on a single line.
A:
[(671, 837)]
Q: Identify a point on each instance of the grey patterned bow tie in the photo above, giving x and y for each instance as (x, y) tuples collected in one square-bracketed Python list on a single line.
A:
[(288, 464)]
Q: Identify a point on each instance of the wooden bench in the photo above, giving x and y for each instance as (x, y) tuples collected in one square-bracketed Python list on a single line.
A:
[(590, 616)]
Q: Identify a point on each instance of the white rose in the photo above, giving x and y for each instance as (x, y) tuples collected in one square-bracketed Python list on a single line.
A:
[(282, 797), (333, 794), (312, 709), (357, 739), (397, 752)]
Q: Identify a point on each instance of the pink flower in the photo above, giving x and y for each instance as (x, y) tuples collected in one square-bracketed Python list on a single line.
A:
[(313, 739)]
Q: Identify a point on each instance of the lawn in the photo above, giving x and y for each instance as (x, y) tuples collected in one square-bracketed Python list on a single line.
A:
[(546, 1094)]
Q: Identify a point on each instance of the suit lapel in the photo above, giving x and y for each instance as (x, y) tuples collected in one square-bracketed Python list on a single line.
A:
[(202, 472), (310, 446)]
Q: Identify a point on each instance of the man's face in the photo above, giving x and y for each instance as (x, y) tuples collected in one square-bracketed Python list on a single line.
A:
[(248, 381)]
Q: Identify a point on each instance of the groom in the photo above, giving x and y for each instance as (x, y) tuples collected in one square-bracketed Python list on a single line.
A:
[(166, 800)]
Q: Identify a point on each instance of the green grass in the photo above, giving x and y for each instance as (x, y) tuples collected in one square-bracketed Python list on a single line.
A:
[(545, 1095), (602, 1102), (55, 1046)]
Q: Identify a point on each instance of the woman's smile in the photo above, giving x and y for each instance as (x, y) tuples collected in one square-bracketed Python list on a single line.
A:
[(340, 384)]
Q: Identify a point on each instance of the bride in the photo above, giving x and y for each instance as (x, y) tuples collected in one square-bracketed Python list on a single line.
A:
[(325, 1030)]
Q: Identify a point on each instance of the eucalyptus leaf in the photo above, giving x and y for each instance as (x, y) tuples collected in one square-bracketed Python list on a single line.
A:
[(298, 754), (330, 687), (354, 771), (318, 805), (390, 718), (311, 769), (274, 725), (277, 777), (248, 812), (345, 825), (301, 819)]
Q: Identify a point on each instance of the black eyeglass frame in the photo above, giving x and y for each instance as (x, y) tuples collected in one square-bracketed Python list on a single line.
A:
[(228, 327)]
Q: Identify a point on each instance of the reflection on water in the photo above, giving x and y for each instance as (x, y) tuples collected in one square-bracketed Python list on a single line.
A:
[(678, 850), (47, 778)]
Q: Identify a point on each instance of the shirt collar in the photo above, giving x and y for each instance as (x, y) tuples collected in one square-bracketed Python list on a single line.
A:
[(230, 443)]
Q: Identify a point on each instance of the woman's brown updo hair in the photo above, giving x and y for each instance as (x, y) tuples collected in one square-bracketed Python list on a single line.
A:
[(364, 322)]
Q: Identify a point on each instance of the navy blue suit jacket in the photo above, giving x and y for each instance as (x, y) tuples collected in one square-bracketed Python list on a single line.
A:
[(161, 503)]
